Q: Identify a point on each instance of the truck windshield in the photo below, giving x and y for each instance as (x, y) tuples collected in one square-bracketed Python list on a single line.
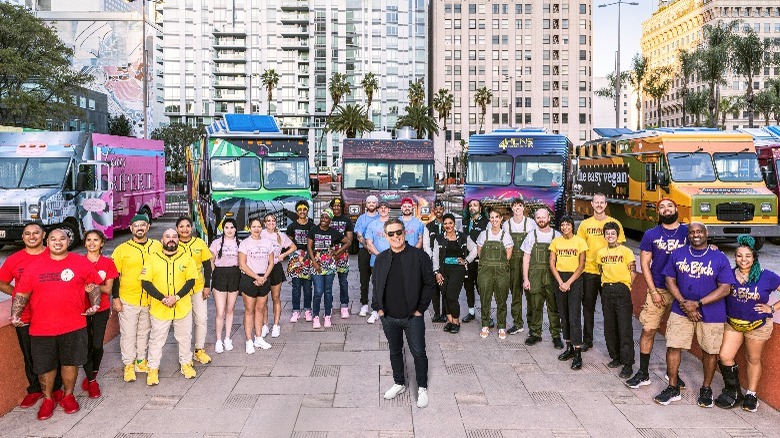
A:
[(286, 173), (235, 173), (538, 171), (737, 166), (411, 175), (691, 167), (28, 173), (489, 170), (365, 174)]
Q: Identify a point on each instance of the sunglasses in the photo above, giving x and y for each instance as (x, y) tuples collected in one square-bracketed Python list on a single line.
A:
[(303, 209), (394, 233)]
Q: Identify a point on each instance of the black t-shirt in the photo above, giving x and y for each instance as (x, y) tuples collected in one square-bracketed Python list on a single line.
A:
[(299, 233), (434, 228), (325, 239), (394, 297), (475, 227), (342, 224)]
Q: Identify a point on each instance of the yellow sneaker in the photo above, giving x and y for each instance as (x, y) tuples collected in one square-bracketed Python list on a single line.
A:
[(188, 371), (201, 356), (129, 373), (152, 377), (141, 366)]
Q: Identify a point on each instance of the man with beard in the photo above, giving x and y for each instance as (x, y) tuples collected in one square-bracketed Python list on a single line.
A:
[(129, 299), (414, 228), (473, 227), (364, 257), (433, 229), (343, 224), (657, 245), (376, 242)]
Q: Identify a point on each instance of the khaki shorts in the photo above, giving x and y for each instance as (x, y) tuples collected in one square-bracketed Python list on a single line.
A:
[(651, 315), (680, 331), (762, 333)]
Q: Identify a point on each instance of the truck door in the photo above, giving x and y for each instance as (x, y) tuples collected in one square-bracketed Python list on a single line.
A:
[(95, 197)]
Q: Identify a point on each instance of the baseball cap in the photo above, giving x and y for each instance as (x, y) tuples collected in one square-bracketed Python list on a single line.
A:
[(384, 203), (372, 198), (407, 201)]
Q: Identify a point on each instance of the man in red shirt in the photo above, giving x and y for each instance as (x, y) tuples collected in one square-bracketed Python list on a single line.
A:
[(54, 288)]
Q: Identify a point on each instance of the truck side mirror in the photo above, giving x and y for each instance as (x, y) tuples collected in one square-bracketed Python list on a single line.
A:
[(203, 187), (81, 181), (315, 185), (769, 177), (662, 178)]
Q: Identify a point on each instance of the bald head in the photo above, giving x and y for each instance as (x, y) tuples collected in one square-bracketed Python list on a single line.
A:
[(170, 240)]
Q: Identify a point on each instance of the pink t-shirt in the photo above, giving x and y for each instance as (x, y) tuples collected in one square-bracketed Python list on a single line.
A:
[(257, 253), (279, 241), (229, 253)]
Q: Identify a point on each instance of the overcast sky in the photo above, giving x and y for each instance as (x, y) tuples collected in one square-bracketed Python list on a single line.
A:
[(605, 33)]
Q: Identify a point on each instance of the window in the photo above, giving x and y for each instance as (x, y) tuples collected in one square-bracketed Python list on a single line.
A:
[(691, 167), (737, 167), (583, 8), (472, 8), (489, 170), (230, 173), (539, 171)]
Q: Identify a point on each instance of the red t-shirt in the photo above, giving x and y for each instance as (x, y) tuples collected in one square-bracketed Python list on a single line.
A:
[(12, 270), (107, 270), (56, 289)]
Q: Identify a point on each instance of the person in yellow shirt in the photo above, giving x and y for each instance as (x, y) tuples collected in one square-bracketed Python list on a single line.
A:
[(567, 261), (130, 302), (591, 229), (201, 254), (618, 269), (168, 277)]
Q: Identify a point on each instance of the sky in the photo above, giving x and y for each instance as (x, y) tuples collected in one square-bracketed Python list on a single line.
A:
[(605, 33)]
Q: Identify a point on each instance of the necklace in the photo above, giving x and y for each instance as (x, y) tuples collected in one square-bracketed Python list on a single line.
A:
[(690, 250), (742, 278), (669, 236)]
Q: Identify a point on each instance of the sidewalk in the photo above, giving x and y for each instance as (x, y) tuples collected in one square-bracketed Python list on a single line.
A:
[(329, 383)]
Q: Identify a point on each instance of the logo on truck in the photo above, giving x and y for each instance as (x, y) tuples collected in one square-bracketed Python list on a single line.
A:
[(519, 142), (612, 180)]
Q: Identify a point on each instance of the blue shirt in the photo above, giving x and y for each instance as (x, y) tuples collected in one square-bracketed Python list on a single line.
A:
[(414, 230), (660, 242), (742, 300), (362, 224), (376, 232)]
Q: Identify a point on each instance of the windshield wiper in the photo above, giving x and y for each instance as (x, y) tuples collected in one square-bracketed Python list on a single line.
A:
[(233, 160), (36, 186), (415, 186), (688, 155)]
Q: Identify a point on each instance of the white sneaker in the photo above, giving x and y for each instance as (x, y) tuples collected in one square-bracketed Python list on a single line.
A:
[(264, 332), (372, 319), (228, 344), (363, 310), (394, 391), (422, 397), (260, 343), (275, 331), (218, 347), (250, 348)]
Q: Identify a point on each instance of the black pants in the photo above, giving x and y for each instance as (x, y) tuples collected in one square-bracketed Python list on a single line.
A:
[(570, 309), (451, 287), (470, 283), (34, 385), (438, 302), (96, 332), (618, 331), (364, 266), (414, 329), (591, 286)]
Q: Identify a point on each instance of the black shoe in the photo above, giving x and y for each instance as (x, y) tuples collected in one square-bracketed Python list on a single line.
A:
[(468, 318), (668, 395), (557, 343), (639, 379), (680, 383), (705, 397), (625, 373), (442, 318), (614, 363), (587, 346), (732, 391), (515, 330), (750, 403), (435, 318), (492, 323), (533, 340), (455, 328), (568, 353), (448, 326), (576, 363)]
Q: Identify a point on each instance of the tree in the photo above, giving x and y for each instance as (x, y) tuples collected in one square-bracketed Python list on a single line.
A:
[(370, 84), (727, 105), (463, 156), (764, 104), (773, 85), (442, 103), (270, 80), (609, 92), (419, 118), (483, 98), (36, 79), (696, 104), (120, 125), (338, 88), (177, 137), (350, 120), (713, 56), (639, 69), (657, 86), (748, 59), (417, 93), (687, 69)]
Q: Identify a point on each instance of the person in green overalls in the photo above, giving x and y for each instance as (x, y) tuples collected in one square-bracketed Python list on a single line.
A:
[(494, 247), (518, 226), (538, 280)]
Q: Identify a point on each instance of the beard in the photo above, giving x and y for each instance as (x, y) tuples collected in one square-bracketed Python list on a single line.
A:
[(668, 219)]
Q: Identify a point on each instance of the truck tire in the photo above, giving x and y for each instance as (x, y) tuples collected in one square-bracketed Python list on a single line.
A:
[(73, 233), (759, 243)]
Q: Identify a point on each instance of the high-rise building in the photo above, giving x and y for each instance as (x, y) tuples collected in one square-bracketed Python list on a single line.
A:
[(217, 50), (677, 25), (535, 56)]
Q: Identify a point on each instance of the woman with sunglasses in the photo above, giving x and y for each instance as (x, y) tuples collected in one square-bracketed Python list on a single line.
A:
[(280, 242), (224, 281), (299, 268), (256, 260), (452, 252)]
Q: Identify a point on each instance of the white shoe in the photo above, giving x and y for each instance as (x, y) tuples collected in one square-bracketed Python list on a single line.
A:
[(363, 310), (228, 344), (218, 347), (250, 348), (394, 391), (372, 319), (264, 332), (260, 343), (275, 331), (422, 397)]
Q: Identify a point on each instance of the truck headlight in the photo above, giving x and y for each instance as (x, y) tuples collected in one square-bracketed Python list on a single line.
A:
[(425, 210), (354, 209), (766, 207), (34, 209), (704, 207)]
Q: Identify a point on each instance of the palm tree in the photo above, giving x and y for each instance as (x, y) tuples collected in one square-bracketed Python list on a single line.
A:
[(270, 80), (417, 93), (748, 60), (639, 70), (728, 105), (764, 103), (696, 104), (351, 120), (657, 86), (338, 88), (687, 70), (483, 98), (609, 92), (419, 118), (370, 84), (442, 103), (713, 58)]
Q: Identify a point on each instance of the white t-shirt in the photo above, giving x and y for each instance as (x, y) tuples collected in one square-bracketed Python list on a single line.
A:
[(517, 227), (488, 235), (529, 241)]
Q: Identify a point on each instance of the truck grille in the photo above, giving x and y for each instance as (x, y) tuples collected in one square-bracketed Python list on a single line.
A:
[(11, 215), (735, 212)]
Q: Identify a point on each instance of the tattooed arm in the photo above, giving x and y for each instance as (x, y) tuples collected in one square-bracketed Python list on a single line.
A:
[(17, 306)]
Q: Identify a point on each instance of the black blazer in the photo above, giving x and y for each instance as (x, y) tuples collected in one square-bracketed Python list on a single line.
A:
[(419, 283)]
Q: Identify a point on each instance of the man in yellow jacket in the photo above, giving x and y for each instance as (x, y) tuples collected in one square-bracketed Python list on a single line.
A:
[(168, 277)]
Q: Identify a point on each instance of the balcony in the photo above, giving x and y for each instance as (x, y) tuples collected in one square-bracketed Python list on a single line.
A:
[(228, 82), (295, 5), (229, 69), (295, 31), (294, 44), (229, 31), (230, 57), (229, 43), (235, 96), (294, 18)]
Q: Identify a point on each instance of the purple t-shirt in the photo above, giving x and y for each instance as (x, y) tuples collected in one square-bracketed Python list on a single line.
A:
[(699, 272), (660, 242), (742, 300)]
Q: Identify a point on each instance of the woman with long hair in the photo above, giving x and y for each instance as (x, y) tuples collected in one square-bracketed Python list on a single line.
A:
[(299, 268), (224, 281), (452, 252), (280, 243), (256, 261)]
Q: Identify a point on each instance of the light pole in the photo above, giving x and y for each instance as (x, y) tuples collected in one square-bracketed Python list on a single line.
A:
[(145, 65), (511, 97), (617, 63)]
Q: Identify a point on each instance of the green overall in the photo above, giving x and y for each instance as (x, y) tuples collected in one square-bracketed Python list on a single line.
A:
[(493, 279), (542, 289), (516, 273)]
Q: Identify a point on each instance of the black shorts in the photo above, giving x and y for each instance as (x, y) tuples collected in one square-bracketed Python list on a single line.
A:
[(277, 275), (248, 287), (225, 279), (69, 349)]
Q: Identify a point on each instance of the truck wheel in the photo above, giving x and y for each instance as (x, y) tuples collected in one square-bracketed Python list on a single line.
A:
[(73, 234), (759, 243), (354, 248)]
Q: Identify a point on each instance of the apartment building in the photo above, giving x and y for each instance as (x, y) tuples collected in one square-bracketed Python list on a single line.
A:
[(604, 107)]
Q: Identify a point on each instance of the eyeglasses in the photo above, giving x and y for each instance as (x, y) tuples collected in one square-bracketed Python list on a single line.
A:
[(394, 233), (303, 209)]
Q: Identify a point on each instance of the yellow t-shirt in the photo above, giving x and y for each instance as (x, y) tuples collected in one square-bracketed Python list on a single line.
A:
[(592, 230), (168, 275), (129, 258), (567, 252), (200, 252), (614, 264)]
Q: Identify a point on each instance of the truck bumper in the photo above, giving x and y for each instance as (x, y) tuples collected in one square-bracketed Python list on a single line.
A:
[(732, 231)]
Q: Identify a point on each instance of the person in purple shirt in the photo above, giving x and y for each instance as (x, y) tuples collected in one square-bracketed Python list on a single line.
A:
[(747, 311), (698, 277)]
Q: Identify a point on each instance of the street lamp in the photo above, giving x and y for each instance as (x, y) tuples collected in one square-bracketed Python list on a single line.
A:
[(511, 97), (617, 63)]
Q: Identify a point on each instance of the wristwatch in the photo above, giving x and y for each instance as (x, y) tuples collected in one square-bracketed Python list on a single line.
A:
[(700, 304)]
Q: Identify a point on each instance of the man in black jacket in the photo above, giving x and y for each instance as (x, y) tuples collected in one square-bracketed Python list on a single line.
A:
[(403, 287)]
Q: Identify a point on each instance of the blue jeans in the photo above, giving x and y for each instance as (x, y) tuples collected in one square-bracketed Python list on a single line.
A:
[(323, 284), (343, 289), (414, 329), (297, 283)]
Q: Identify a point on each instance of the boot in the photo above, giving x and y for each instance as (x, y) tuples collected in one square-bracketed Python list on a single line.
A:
[(568, 353), (732, 392), (576, 364)]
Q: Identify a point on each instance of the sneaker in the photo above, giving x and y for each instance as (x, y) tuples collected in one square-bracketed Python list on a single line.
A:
[(501, 334), (141, 366), (484, 333), (372, 319), (294, 318), (315, 322), (30, 400), (228, 344), (750, 403), (705, 397), (47, 409), (468, 318), (85, 384), (219, 347), (69, 404), (668, 395), (422, 397), (515, 330), (680, 383), (129, 374), (201, 356), (250, 347), (94, 389), (394, 391), (448, 326), (307, 315), (626, 371), (261, 343), (153, 377), (327, 321), (533, 340), (275, 331), (614, 363), (363, 310), (188, 371), (639, 379), (344, 313), (557, 343), (264, 331), (57, 395)]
